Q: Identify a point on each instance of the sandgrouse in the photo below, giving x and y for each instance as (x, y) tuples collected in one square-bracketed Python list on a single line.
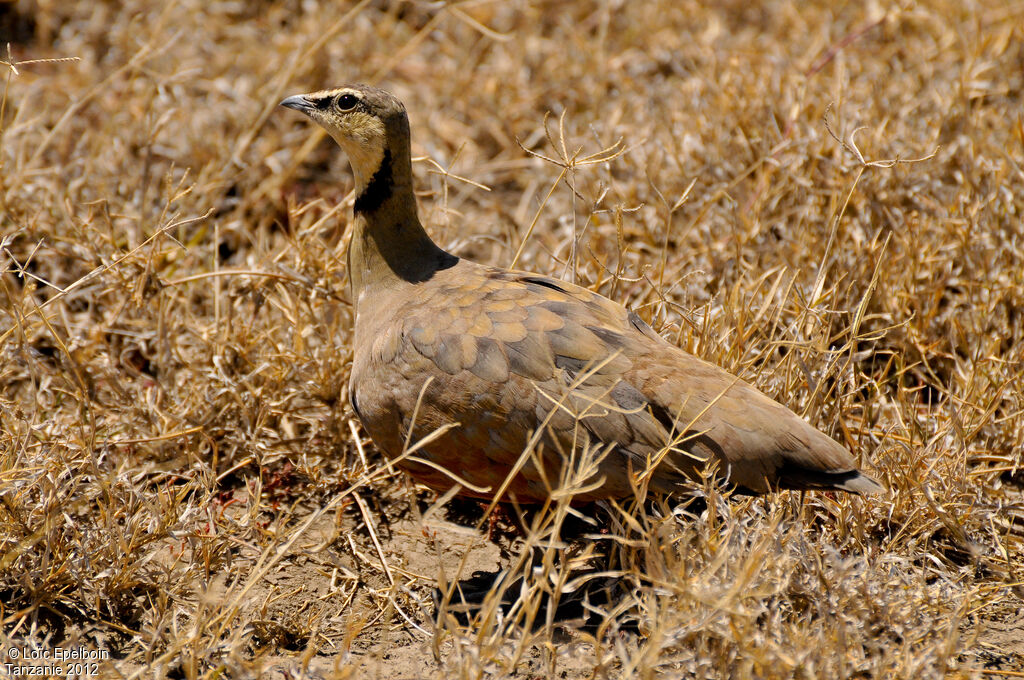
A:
[(507, 380)]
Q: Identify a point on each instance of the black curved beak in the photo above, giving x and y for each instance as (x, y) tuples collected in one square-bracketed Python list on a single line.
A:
[(299, 103)]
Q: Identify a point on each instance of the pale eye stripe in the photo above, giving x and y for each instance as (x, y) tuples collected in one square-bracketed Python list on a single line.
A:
[(333, 94)]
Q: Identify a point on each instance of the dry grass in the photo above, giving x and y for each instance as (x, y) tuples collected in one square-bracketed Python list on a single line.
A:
[(182, 480)]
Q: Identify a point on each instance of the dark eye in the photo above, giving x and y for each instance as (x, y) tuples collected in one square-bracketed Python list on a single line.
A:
[(346, 102)]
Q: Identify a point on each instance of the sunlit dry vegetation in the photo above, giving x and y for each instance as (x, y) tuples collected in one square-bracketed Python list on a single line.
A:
[(824, 199)]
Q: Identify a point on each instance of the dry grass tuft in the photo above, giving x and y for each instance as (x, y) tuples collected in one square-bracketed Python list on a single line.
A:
[(182, 482)]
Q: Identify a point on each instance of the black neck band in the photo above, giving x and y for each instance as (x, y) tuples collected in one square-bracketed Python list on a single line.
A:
[(379, 189)]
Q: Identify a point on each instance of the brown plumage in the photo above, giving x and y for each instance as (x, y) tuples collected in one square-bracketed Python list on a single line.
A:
[(485, 358)]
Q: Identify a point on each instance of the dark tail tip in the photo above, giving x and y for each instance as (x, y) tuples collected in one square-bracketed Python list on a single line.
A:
[(854, 481)]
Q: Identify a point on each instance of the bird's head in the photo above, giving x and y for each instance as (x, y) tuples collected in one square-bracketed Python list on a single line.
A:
[(365, 121)]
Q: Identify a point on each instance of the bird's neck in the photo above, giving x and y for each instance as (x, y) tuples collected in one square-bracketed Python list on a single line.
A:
[(389, 246)]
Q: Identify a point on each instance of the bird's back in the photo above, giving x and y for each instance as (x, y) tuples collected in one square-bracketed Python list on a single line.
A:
[(496, 356)]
